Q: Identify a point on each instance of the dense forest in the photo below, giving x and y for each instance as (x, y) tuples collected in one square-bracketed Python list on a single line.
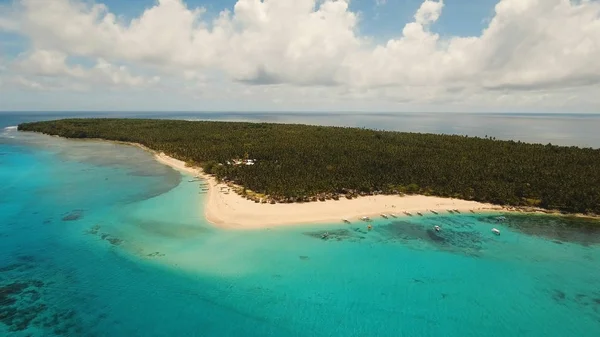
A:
[(306, 163)]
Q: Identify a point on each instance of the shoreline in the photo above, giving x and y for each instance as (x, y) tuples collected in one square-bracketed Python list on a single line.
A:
[(232, 211)]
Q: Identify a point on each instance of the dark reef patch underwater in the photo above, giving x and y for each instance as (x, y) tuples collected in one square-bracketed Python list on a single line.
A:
[(585, 231), (73, 215), (25, 305)]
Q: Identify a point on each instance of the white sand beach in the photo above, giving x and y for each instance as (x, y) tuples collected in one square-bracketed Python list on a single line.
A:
[(230, 210)]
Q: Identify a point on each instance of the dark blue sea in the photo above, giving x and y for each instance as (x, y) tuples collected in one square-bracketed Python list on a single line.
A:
[(99, 239), (560, 129)]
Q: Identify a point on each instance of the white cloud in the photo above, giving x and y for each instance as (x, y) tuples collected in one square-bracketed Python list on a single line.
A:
[(27, 83), (380, 2), (52, 66), (429, 12), (532, 52)]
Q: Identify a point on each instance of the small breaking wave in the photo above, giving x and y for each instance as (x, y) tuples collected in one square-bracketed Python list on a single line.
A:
[(8, 132)]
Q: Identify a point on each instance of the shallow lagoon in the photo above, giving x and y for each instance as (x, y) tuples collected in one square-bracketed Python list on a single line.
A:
[(98, 239)]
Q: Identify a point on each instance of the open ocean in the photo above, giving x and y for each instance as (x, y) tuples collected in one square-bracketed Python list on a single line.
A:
[(98, 239)]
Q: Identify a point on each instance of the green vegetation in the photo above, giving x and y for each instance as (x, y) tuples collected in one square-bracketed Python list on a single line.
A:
[(302, 163)]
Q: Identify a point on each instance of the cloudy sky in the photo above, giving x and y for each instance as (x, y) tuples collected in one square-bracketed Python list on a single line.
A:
[(300, 55)]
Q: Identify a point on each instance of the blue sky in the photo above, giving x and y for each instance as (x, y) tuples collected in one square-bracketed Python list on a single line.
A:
[(461, 17), (394, 55), (379, 21)]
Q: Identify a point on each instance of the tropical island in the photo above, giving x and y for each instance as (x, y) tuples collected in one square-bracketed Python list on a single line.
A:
[(272, 163)]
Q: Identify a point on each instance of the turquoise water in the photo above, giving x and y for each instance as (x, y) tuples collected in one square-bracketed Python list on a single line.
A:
[(99, 239)]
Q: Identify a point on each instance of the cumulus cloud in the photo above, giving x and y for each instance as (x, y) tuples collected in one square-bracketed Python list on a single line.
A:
[(49, 64), (528, 47)]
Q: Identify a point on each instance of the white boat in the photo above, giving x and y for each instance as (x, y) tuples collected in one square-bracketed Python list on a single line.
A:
[(384, 216), (434, 212), (346, 220), (365, 218), (394, 215), (407, 213), (420, 214), (437, 228), (456, 210), (495, 231), (450, 211)]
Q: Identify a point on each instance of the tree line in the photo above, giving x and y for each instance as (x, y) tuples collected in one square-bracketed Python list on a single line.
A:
[(298, 162)]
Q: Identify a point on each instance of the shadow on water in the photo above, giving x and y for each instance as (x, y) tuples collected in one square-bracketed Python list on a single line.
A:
[(559, 229)]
